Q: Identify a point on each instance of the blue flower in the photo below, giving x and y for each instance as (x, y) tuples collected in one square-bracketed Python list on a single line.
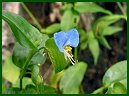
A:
[(66, 40)]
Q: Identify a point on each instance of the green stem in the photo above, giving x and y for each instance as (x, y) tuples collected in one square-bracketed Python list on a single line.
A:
[(75, 53), (100, 90), (20, 83), (31, 15), (122, 9), (22, 73)]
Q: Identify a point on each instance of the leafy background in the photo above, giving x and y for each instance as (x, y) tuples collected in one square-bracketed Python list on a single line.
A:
[(96, 69)]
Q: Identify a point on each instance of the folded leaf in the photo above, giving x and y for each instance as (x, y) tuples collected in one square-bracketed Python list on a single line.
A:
[(94, 49), (103, 22), (57, 57), (110, 30)]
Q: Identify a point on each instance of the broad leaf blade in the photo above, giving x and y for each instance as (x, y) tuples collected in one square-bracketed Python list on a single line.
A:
[(69, 20), (25, 33), (117, 72), (20, 56), (57, 57), (72, 78), (89, 8), (9, 71)]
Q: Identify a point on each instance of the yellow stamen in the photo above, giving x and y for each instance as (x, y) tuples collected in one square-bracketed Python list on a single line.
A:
[(68, 49), (68, 54)]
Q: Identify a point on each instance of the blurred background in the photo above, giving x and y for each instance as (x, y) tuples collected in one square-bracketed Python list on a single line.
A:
[(49, 13)]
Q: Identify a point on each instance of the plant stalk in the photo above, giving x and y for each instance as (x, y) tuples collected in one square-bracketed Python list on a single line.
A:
[(122, 10), (20, 83), (99, 90), (32, 16)]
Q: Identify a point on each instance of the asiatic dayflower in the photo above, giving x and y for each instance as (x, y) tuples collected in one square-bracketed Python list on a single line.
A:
[(66, 40)]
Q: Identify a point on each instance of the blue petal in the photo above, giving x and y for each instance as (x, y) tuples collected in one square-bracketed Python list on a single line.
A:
[(60, 39), (73, 38)]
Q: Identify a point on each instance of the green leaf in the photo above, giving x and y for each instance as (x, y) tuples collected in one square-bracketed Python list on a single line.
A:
[(89, 8), (69, 20), (35, 75), (94, 49), (49, 90), (30, 90), (117, 88), (83, 35), (83, 45), (72, 78), (13, 90), (9, 71), (115, 73), (67, 7), (45, 89), (4, 86), (25, 33), (124, 82), (103, 22), (52, 28), (104, 42), (20, 57), (38, 58), (57, 57), (55, 77), (111, 30), (83, 38), (25, 82)]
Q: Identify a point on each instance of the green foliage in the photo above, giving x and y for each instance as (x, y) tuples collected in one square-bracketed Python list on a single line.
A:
[(110, 30), (25, 33), (55, 77), (32, 47), (35, 75), (104, 22), (69, 20), (104, 42), (116, 73), (23, 58), (9, 71), (117, 88), (87, 7), (72, 78), (57, 58), (94, 48), (20, 55), (52, 28), (26, 81), (67, 7)]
